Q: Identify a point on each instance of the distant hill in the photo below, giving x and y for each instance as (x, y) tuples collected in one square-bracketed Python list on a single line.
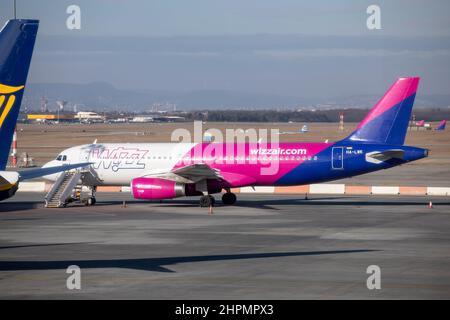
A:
[(93, 96), (101, 95)]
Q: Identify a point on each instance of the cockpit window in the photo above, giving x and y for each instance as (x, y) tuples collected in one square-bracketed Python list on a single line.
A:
[(64, 158), (61, 158)]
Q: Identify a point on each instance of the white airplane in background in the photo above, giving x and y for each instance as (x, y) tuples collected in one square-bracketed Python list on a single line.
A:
[(304, 129)]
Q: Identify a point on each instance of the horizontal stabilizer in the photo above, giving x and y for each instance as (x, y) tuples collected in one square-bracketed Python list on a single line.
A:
[(381, 156)]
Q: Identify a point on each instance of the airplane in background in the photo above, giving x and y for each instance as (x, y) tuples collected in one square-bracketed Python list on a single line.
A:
[(441, 126), (17, 39), (420, 123), (156, 171), (304, 129)]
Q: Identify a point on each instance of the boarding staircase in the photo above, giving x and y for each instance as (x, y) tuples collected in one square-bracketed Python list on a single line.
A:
[(61, 192)]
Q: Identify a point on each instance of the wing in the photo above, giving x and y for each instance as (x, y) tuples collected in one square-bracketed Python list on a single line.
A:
[(188, 174), (39, 172), (380, 156)]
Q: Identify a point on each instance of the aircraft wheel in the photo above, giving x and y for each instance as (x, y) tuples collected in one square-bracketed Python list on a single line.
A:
[(207, 201), (229, 198), (91, 201)]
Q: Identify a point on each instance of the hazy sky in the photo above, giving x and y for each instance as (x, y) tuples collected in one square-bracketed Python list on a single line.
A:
[(298, 48)]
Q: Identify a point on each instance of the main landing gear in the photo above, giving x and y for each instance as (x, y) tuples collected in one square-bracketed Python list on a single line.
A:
[(207, 201), (229, 198)]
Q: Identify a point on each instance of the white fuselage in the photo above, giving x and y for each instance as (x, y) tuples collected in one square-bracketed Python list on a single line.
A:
[(116, 164)]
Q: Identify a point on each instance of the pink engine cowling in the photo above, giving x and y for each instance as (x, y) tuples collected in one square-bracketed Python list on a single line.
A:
[(156, 188)]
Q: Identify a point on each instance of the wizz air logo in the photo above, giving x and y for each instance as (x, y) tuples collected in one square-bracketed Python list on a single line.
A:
[(7, 99), (278, 151), (118, 158)]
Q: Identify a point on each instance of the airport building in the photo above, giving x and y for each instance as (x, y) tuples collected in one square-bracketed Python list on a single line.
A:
[(49, 117), (88, 116), (142, 119)]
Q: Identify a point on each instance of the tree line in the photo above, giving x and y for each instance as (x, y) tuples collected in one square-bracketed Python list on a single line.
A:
[(350, 115)]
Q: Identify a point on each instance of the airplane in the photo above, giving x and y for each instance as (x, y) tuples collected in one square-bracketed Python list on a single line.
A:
[(17, 39), (304, 129), (420, 123), (441, 126), (157, 171)]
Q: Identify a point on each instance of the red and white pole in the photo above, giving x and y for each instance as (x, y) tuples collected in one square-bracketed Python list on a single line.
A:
[(341, 121), (14, 149)]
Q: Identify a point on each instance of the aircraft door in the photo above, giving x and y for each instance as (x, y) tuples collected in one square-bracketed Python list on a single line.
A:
[(337, 158)]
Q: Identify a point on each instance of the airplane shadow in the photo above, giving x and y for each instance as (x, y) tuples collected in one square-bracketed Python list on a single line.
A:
[(270, 203), (42, 245), (334, 202), (156, 264), (262, 203), (18, 206)]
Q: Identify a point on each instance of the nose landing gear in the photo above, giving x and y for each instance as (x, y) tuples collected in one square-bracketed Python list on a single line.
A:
[(91, 200)]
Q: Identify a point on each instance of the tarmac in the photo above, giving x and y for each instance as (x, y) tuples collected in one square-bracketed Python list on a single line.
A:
[(264, 247)]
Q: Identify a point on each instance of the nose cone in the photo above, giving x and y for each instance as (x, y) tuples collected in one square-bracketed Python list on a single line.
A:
[(52, 163), (48, 164)]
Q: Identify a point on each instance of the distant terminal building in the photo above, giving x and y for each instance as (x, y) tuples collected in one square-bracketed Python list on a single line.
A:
[(89, 117), (49, 117), (142, 119), (118, 120), (168, 118)]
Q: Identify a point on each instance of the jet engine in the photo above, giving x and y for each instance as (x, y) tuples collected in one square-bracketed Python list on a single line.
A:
[(9, 183), (156, 188)]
